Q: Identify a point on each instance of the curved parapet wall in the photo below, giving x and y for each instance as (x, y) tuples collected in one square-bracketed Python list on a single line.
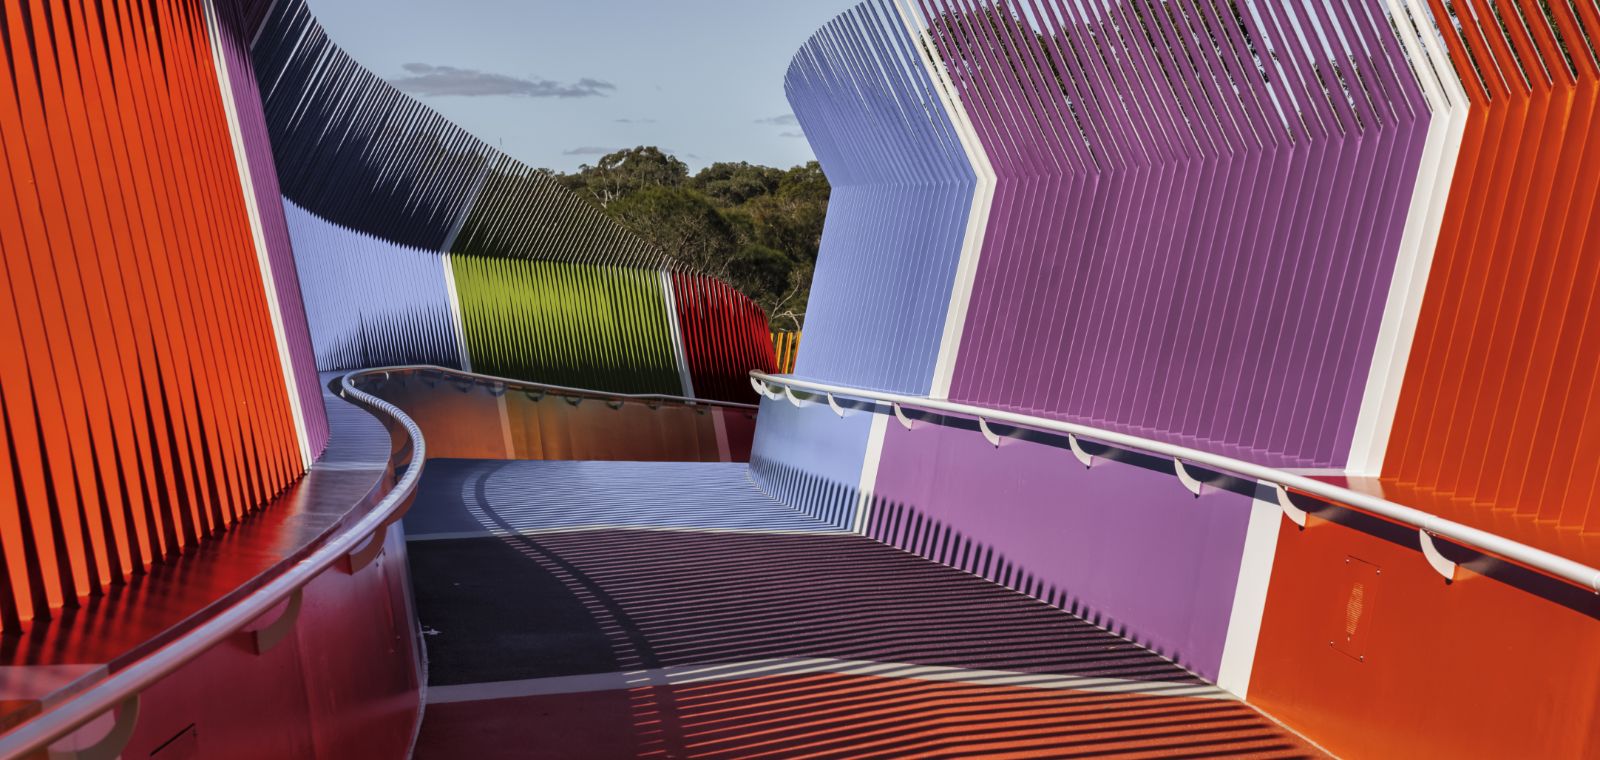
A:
[(469, 416), (498, 268), (1352, 241), (157, 373)]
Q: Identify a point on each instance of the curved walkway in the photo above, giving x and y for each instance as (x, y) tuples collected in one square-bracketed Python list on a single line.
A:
[(600, 610)]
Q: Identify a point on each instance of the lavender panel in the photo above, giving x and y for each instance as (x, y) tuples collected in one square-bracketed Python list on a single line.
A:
[(370, 302), (902, 192), (810, 458)]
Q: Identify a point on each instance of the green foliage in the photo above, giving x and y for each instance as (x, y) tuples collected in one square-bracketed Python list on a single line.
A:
[(756, 227), (625, 172)]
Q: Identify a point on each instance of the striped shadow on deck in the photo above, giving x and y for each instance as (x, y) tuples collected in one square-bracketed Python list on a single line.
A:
[(647, 643), (469, 498)]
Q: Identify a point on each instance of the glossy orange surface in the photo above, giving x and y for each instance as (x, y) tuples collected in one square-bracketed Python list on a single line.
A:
[(1501, 402), (145, 407), (1409, 666), (463, 420)]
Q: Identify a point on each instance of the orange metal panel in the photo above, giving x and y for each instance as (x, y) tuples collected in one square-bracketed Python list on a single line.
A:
[(1480, 667), (149, 408)]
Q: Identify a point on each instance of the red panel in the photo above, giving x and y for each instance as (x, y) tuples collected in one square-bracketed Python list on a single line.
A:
[(725, 335), (344, 685)]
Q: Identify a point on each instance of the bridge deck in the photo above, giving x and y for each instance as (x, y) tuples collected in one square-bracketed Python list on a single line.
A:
[(598, 610)]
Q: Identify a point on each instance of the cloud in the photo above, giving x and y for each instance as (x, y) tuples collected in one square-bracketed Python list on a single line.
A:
[(786, 120), (428, 80), (636, 121), (793, 134), (588, 150)]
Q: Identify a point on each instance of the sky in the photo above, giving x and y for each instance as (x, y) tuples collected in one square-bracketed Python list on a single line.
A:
[(558, 83)]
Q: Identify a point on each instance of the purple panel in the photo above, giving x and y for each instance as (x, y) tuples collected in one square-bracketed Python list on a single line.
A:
[(1190, 240), (1125, 547), (280, 252)]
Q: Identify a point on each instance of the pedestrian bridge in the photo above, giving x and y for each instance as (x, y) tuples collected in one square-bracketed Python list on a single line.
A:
[(1179, 379)]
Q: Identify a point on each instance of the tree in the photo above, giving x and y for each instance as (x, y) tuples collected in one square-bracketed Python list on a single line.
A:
[(683, 223), (756, 227), (732, 184), (620, 174)]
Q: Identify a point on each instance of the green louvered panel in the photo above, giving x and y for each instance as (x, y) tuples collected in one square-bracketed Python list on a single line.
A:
[(580, 325)]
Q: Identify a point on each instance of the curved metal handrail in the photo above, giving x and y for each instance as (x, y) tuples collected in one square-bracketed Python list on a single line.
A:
[(1428, 524), (557, 389), (56, 722)]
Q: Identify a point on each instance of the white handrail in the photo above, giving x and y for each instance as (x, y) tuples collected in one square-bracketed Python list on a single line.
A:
[(1537, 559), (56, 722)]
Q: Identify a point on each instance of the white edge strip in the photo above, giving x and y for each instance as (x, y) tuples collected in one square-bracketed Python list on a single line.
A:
[(505, 425), (271, 6), (457, 322), (679, 351), (719, 425), (1413, 266), (955, 322), (682, 675), (1250, 597), (869, 473), (258, 234)]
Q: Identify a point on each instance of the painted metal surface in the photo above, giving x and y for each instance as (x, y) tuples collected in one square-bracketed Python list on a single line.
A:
[(466, 416), (356, 523), (1213, 256), (566, 323), (1122, 546), (371, 302), (149, 403), (811, 459), (902, 188), (1557, 567), (1499, 406)]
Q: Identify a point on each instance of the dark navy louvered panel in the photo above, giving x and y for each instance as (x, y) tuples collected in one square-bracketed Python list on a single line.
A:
[(354, 150)]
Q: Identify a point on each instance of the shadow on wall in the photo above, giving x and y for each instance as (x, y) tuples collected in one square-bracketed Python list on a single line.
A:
[(1163, 571), (383, 340), (908, 526), (816, 497)]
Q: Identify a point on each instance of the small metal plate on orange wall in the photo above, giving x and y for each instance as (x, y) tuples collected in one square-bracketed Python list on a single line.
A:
[(1352, 618)]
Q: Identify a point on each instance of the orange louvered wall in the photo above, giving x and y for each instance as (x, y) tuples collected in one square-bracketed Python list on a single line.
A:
[(1499, 408), (145, 404)]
